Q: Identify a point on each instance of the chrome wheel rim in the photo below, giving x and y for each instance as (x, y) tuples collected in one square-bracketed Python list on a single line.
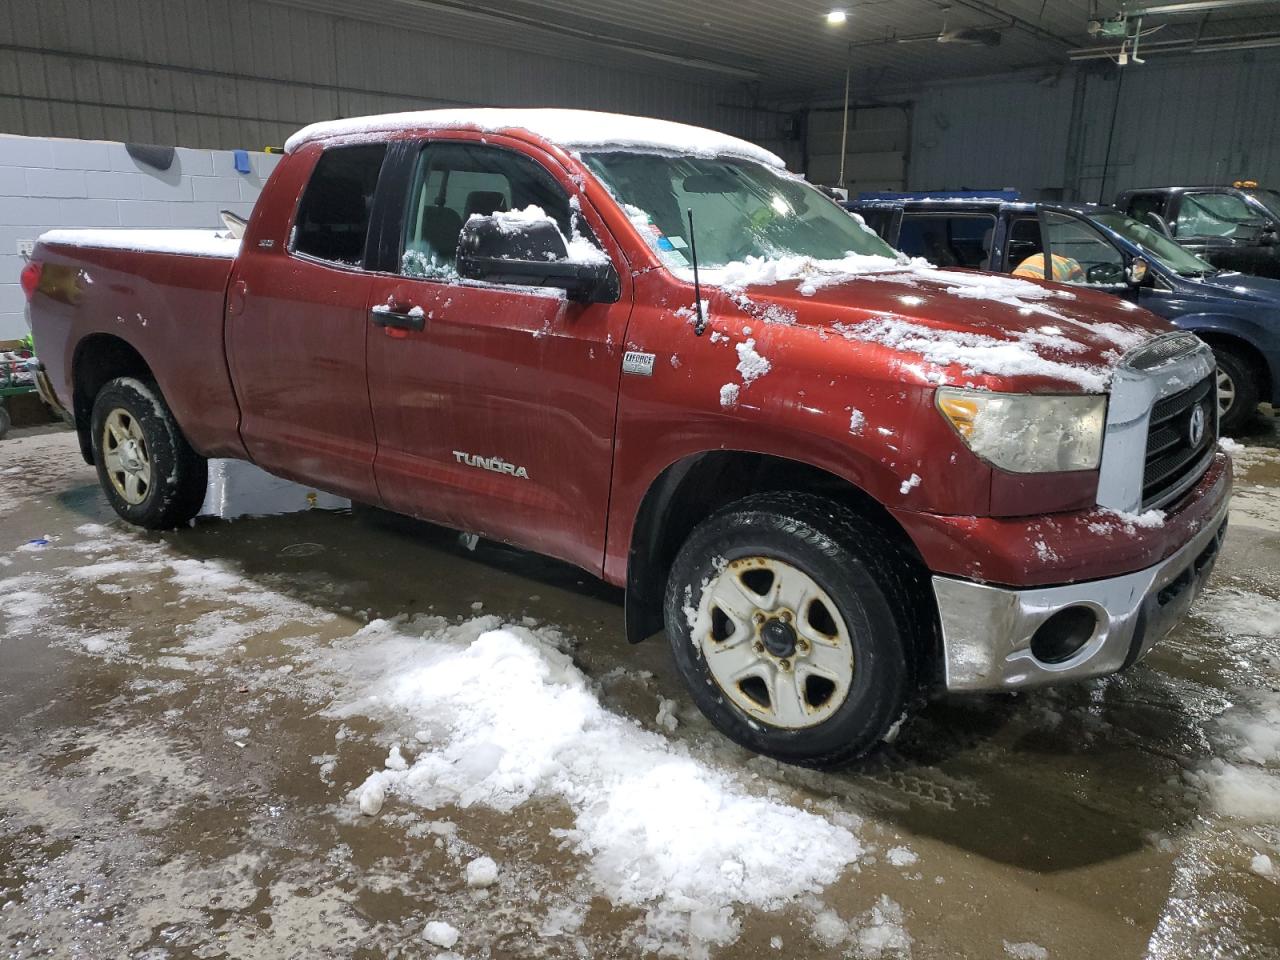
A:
[(774, 643), (125, 456), (1226, 392)]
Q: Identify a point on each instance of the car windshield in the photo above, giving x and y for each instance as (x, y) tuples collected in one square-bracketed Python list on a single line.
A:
[(1270, 199), (740, 209), (1155, 245)]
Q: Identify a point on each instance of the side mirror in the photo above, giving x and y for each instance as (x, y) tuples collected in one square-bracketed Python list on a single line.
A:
[(517, 249), (1137, 272)]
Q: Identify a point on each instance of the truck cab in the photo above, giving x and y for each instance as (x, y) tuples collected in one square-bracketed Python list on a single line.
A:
[(1096, 247), (1233, 227)]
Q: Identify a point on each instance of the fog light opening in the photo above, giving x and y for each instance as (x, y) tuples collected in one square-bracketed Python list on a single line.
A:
[(1062, 636)]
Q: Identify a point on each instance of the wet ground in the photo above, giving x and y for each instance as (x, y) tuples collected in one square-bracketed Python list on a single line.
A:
[(190, 723)]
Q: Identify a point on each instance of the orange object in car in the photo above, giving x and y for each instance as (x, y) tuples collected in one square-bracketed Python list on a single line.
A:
[(1065, 270)]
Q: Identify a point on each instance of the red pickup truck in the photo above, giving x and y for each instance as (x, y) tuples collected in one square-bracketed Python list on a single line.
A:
[(835, 475)]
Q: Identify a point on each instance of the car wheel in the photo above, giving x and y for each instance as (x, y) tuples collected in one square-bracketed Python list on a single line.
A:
[(149, 472), (797, 626), (1237, 390), (5, 421)]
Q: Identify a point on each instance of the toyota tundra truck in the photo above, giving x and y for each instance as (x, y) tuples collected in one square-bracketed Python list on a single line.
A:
[(835, 475)]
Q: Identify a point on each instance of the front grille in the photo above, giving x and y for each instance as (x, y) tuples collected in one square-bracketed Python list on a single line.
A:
[(1173, 461)]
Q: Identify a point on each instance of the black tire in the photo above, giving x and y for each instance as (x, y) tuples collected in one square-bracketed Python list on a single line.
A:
[(5, 421), (1244, 378), (179, 475), (877, 588)]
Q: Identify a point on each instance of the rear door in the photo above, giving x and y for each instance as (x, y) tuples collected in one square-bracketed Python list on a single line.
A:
[(296, 318), (494, 405), (949, 239)]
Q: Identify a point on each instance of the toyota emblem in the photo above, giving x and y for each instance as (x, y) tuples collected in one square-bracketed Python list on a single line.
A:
[(1195, 426)]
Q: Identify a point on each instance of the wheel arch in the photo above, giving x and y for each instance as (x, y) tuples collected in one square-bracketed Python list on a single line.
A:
[(98, 359), (1215, 336), (692, 488)]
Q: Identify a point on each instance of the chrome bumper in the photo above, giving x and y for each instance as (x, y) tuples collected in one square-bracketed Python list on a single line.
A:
[(987, 631)]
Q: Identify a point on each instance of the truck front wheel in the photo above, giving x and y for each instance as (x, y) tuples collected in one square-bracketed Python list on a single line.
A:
[(149, 472), (794, 622)]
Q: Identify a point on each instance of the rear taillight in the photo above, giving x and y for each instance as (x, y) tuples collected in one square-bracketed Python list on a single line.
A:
[(30, 278)]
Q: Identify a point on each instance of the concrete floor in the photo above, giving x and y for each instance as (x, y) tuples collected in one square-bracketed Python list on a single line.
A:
[(176, 783)]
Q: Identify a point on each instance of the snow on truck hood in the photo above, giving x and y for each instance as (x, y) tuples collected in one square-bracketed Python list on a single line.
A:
[(571, 129), (956, 325)]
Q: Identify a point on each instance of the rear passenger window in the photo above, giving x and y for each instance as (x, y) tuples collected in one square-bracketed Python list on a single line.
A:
[(455, 181), (960, 240), (333, 218)]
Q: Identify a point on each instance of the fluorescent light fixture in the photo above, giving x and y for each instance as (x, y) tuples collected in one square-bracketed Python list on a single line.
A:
[(837, 17)]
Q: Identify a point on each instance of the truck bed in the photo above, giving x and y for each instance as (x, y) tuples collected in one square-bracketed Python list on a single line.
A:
[(190, 243), (160, 294)]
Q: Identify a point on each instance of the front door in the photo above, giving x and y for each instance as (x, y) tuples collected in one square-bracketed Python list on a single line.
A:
[(296, 318), (493, 405)]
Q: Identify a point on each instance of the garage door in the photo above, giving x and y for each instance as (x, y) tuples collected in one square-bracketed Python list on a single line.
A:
[(875, 151)]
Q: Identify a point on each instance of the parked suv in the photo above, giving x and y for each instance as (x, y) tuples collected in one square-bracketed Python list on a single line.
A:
[(1093, 246), (833, 474), (1234, 228)]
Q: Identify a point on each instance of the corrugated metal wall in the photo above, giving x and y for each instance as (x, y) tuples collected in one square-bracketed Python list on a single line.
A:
[(246, 73), (1197, 119)]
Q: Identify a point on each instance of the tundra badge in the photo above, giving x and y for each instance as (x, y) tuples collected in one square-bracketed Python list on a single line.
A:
[(494, 464), (641, 364)]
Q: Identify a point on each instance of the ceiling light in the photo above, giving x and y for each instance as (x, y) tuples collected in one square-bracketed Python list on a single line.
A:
[(837, 17)]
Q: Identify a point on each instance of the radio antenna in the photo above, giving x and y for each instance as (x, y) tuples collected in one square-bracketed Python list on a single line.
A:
[(701, 323)]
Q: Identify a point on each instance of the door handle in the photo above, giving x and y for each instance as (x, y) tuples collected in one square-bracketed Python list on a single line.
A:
[(407, 318)]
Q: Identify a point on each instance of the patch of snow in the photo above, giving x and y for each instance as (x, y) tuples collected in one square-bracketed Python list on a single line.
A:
[(482, 872), (729, 394), (571, 129), (978, 353), (901, 856), (666, 718), (440, 933), (880, 931), (1025, 950), (909, 484), (751, 365), (371, 796), (1263, 866), (188, 243)]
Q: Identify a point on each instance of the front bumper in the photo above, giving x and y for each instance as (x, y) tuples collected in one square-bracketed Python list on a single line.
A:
[(987, 631)]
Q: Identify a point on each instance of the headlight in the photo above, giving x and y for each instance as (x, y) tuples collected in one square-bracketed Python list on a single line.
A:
[(1027, 433)]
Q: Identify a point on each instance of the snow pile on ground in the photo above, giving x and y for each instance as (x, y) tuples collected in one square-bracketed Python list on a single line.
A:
[(1017, 354), (660, 830)]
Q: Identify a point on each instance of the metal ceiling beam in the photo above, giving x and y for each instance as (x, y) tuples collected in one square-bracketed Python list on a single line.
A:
[(1189, 45), (991, 10), (1193, 6)]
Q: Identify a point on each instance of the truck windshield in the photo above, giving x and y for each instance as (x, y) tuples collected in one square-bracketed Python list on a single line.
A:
[(1155, 245), (741, 209), (1269, 199)]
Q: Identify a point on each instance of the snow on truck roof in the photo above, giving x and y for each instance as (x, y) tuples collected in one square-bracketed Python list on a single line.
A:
[(570, 129)]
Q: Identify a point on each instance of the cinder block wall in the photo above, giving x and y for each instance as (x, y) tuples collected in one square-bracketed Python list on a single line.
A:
[(47, 183)]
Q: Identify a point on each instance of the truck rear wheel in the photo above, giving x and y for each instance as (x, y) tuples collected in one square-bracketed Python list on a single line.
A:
[(1237, 390), (795, 624), (149, 472)]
